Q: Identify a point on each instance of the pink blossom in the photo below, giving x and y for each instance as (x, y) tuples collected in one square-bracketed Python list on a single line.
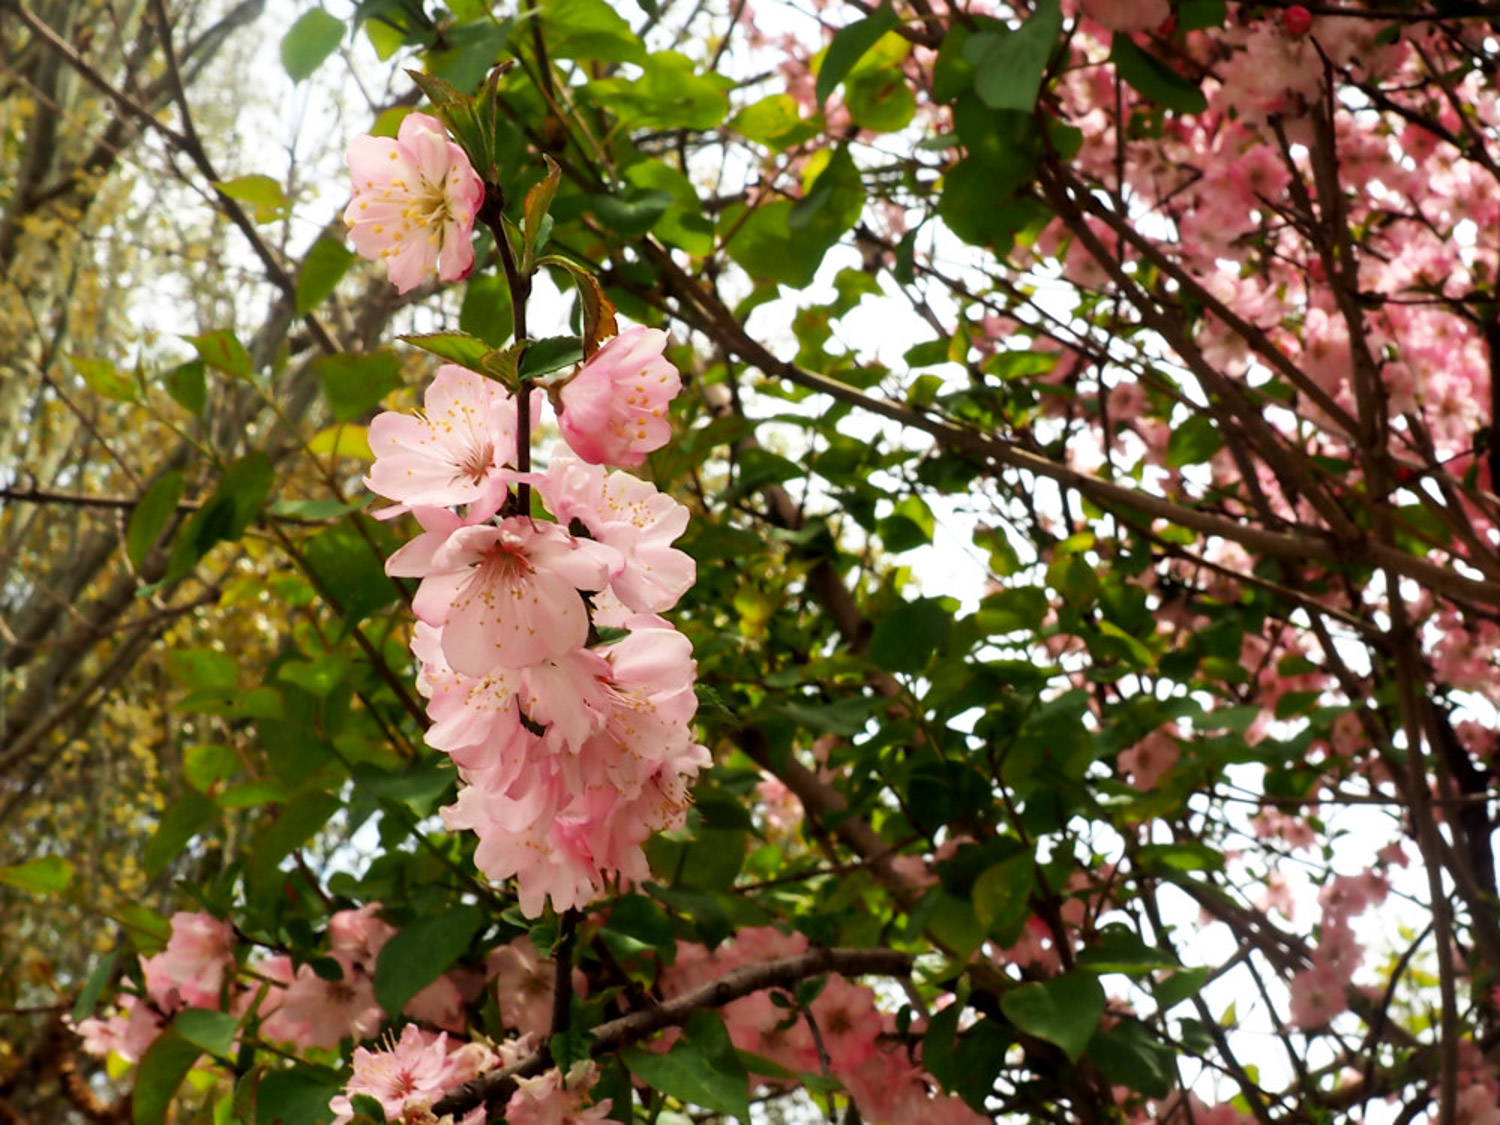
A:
[(193, 964), (508, 596), (318, 1013), (1317, 996), (551, 1099), (614, 411), (631, 516), (411, 1073), (524, 984), (359, 934), (1127, 15), (127, 1034), (455, 451), (415, 201), (1150, 758)]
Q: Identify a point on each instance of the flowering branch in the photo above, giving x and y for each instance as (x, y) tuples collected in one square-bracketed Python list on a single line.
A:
[(781, 973)]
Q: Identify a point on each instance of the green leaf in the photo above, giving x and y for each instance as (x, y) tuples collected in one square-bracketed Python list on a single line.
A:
[(186, 385), (1064, 1011), (1193, 442), (1197, 15), (355, 384), (202, 669), (486, 311), (551, 354), (538, 203), (906, 637), (314, 37), (701, 1069), (352, 571), (1118, 950), (849, 46), (589, 29), (456, 347), (669, 94), (93, 988), (162, 1069), (209, 1030), (1180, 986), (951, 920), (49, 875), (684, 225), (1130, 1056), (222, 351), (296, 824), (104, 378), (1184, 856), (264, 195), (633, 214), (150, 516), (880, 100), (1002, 897), (185, 818), (833, 201), (298, 1096), (475, 45), (207, 764), (1154, 79), (326, 263), (765, 246), (775, 121), (421, 953), (970, 203), (1008, 67)]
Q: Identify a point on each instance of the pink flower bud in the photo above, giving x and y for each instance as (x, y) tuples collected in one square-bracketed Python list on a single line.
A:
[(1296, 20)]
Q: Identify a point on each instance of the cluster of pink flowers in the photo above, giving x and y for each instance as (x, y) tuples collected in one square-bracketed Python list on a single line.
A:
[(1320, 993), (189, 973), (855, 1040), (307, 1010), (572, 751), (295, 1005), (411, 1074)]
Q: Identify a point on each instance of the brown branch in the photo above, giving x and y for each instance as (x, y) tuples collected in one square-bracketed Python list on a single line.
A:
[(743, 981), (1311, 545)]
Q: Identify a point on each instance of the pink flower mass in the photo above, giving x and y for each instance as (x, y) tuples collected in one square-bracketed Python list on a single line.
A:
[(415, 202), (572, 751)]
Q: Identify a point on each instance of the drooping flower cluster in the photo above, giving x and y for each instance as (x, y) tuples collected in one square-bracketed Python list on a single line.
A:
[(573, 751), (415, 202)]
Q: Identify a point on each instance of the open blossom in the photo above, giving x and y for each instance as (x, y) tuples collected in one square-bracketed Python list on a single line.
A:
[(453, 452), (508, 596), (633, 517), (551, 1099), (412, 1073), (314, 1012), (415, 201), (614, 411)]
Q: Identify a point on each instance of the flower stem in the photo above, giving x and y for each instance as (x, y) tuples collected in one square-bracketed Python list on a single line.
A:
[(492, 214)]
